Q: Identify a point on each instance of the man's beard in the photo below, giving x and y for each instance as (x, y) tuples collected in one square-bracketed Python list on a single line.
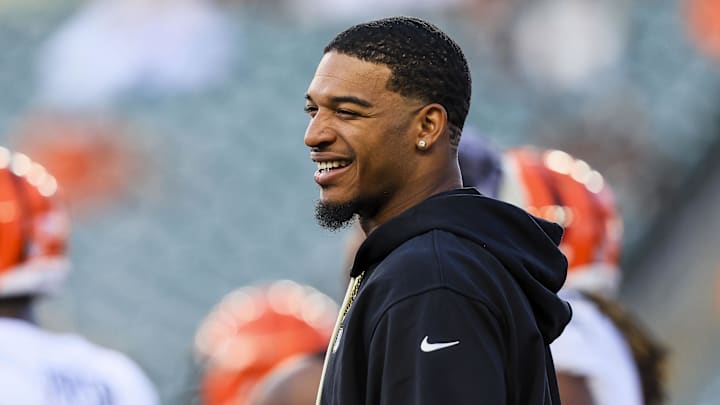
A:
[(335, 216)]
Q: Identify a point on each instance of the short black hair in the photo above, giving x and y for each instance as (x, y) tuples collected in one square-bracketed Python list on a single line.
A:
[(425, 62)]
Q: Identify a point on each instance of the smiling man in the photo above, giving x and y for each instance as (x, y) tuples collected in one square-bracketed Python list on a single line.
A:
[(453, 294)]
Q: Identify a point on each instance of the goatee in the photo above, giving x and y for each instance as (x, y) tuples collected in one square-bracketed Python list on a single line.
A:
[(335, 216)]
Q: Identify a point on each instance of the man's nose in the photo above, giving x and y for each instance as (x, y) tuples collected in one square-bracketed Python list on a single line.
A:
[(319, 130)]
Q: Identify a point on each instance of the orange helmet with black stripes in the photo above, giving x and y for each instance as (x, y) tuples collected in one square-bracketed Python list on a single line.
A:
[(34, 228), (255, 328), (555, 186)]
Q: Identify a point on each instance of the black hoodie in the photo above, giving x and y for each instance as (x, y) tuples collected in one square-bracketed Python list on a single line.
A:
[(457, 305)]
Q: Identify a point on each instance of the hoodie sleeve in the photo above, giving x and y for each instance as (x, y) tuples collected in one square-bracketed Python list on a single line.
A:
[(438, 347)]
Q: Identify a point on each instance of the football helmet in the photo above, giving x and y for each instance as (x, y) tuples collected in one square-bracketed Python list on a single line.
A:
[(34, 228), (555, 186), (255, 328)]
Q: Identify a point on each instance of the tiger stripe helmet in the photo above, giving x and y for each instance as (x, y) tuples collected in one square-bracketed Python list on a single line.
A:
[(34, 228), (555, 186), (255, 328)]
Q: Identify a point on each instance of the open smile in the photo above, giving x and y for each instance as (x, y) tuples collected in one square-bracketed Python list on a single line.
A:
[(328, 170), (331, 165)]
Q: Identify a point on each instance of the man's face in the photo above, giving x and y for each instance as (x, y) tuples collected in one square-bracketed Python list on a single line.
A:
[(359, 134)]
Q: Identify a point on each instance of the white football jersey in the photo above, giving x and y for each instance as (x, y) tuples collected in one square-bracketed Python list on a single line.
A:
[(38, 367), (591, 346)]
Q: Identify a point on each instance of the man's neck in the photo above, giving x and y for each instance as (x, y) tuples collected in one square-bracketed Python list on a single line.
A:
[(410, 199)]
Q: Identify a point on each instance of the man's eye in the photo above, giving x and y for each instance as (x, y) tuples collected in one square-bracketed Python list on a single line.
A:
[(310, 109), (347, 113)]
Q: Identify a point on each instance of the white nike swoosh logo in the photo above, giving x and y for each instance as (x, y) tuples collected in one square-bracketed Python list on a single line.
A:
[(428, 347)]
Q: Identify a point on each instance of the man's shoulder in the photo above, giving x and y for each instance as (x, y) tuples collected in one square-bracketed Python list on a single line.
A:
[(56, 348), (439, 259), (444, 257), (38, 353)]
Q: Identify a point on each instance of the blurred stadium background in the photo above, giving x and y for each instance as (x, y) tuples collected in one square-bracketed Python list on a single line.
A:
[(176, 128)]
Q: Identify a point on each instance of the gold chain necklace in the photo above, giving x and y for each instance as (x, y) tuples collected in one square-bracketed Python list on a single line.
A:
[(350, 295), (353, 293)]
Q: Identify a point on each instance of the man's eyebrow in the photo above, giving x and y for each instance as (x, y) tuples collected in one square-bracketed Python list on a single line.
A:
[(345, 99), (351, 100)]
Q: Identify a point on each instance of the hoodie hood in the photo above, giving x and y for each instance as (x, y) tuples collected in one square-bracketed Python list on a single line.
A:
[(527, 246)]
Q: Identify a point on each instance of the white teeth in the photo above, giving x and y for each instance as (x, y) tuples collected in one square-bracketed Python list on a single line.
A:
[(324, 166)]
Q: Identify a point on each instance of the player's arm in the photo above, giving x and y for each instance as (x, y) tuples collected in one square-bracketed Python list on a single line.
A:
[(438, 347)]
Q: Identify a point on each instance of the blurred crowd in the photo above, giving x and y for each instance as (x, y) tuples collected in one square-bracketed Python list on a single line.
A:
[(173, 129)]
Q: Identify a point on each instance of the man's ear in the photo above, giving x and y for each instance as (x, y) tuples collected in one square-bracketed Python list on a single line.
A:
[(432, 121)]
